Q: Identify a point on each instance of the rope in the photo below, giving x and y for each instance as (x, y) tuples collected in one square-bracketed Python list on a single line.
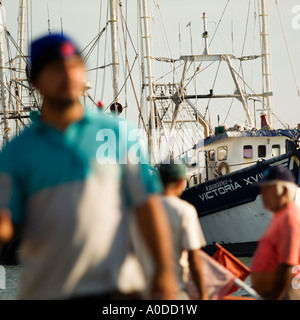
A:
[(129, 70), (98, 47), (285, 125), (218, 23), (105, 47), (245, 37), (207, 107), (94, 42), (287, 46), (242, 53)]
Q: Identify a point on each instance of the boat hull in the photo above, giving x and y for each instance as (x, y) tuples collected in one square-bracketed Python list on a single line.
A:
[(230, 208)]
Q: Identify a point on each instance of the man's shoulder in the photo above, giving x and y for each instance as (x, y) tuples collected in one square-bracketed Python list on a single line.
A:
[(179, 204), (292, 212), (101, 119), (21, 141)]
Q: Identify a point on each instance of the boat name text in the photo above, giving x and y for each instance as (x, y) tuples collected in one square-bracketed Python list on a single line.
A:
[(223, 187)]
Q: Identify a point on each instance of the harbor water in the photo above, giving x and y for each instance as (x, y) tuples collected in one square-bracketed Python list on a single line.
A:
[(9, 277)]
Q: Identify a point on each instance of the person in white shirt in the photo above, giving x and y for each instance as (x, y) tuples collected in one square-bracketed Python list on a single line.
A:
[(185, 226)]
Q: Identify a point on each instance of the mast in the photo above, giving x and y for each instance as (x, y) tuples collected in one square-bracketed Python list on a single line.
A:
[(266, 57), (152, 130), (21, 29), (143, 97), (4, 103), (114, 46), (205, 34)]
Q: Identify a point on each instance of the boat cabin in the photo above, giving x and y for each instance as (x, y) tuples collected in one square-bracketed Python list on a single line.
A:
[(230, 151)]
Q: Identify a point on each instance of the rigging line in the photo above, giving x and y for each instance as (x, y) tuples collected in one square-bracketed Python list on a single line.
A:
[(101, 67), (125, 27), (244, 41), (261, 49), (129, 74), (29, 26), (61, 20), (169, 53), (94, 42), (8, 35), (254, 37), (260, 99), (159, 48), (105, 50), (287, 46), (214, 83), (127, 30), (193, 126), (96, 37), (218, 23), (98, 50), (160, 19), (125, 70), (49, 30), (198, 70), (242, 54), (172, 71), (11, 92), (11, 69)]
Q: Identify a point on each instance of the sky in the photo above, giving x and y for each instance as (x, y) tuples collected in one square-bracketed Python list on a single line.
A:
[(182, 20)]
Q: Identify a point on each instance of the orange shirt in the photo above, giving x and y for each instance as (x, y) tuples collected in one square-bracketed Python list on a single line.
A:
[(281, 241)]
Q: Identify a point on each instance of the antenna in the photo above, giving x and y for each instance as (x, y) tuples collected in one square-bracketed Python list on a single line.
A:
[(61, 20), (49, 30), (179, 39), (205, 34)]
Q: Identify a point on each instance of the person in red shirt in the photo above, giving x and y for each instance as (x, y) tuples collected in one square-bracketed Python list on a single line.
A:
[(278, 250)]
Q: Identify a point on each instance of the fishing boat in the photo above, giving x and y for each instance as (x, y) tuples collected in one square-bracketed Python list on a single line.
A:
[(225, 162)]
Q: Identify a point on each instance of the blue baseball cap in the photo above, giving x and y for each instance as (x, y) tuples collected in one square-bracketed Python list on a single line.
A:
[(49, 48)]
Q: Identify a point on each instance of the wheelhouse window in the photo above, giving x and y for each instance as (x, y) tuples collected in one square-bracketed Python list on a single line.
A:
[(212, 155), (275, 150), (261, 151), (222, 153), (248, 152)]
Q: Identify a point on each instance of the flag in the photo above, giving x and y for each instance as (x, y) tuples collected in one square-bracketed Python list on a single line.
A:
[(217, 279), (231, 263)]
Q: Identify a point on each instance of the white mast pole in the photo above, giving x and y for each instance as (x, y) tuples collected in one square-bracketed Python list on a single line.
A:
[(6, 134), (114, 46), (146, 37), (205, 34), (266, 56), (21, 28)]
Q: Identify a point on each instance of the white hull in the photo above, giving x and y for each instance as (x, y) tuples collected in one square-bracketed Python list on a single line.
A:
[(241, 224), (245, 223)]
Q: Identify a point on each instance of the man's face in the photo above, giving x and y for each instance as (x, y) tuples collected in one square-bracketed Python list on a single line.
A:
[(62, 81), (271, 200)]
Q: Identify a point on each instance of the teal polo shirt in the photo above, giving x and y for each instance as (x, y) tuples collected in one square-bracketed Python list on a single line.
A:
[(72, 193), (43, 157)]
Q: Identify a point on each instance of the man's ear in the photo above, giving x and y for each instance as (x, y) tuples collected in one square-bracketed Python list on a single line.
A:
[(182, 184)]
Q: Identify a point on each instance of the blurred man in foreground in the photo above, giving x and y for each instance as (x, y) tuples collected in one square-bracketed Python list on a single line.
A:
[(67, 199)]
